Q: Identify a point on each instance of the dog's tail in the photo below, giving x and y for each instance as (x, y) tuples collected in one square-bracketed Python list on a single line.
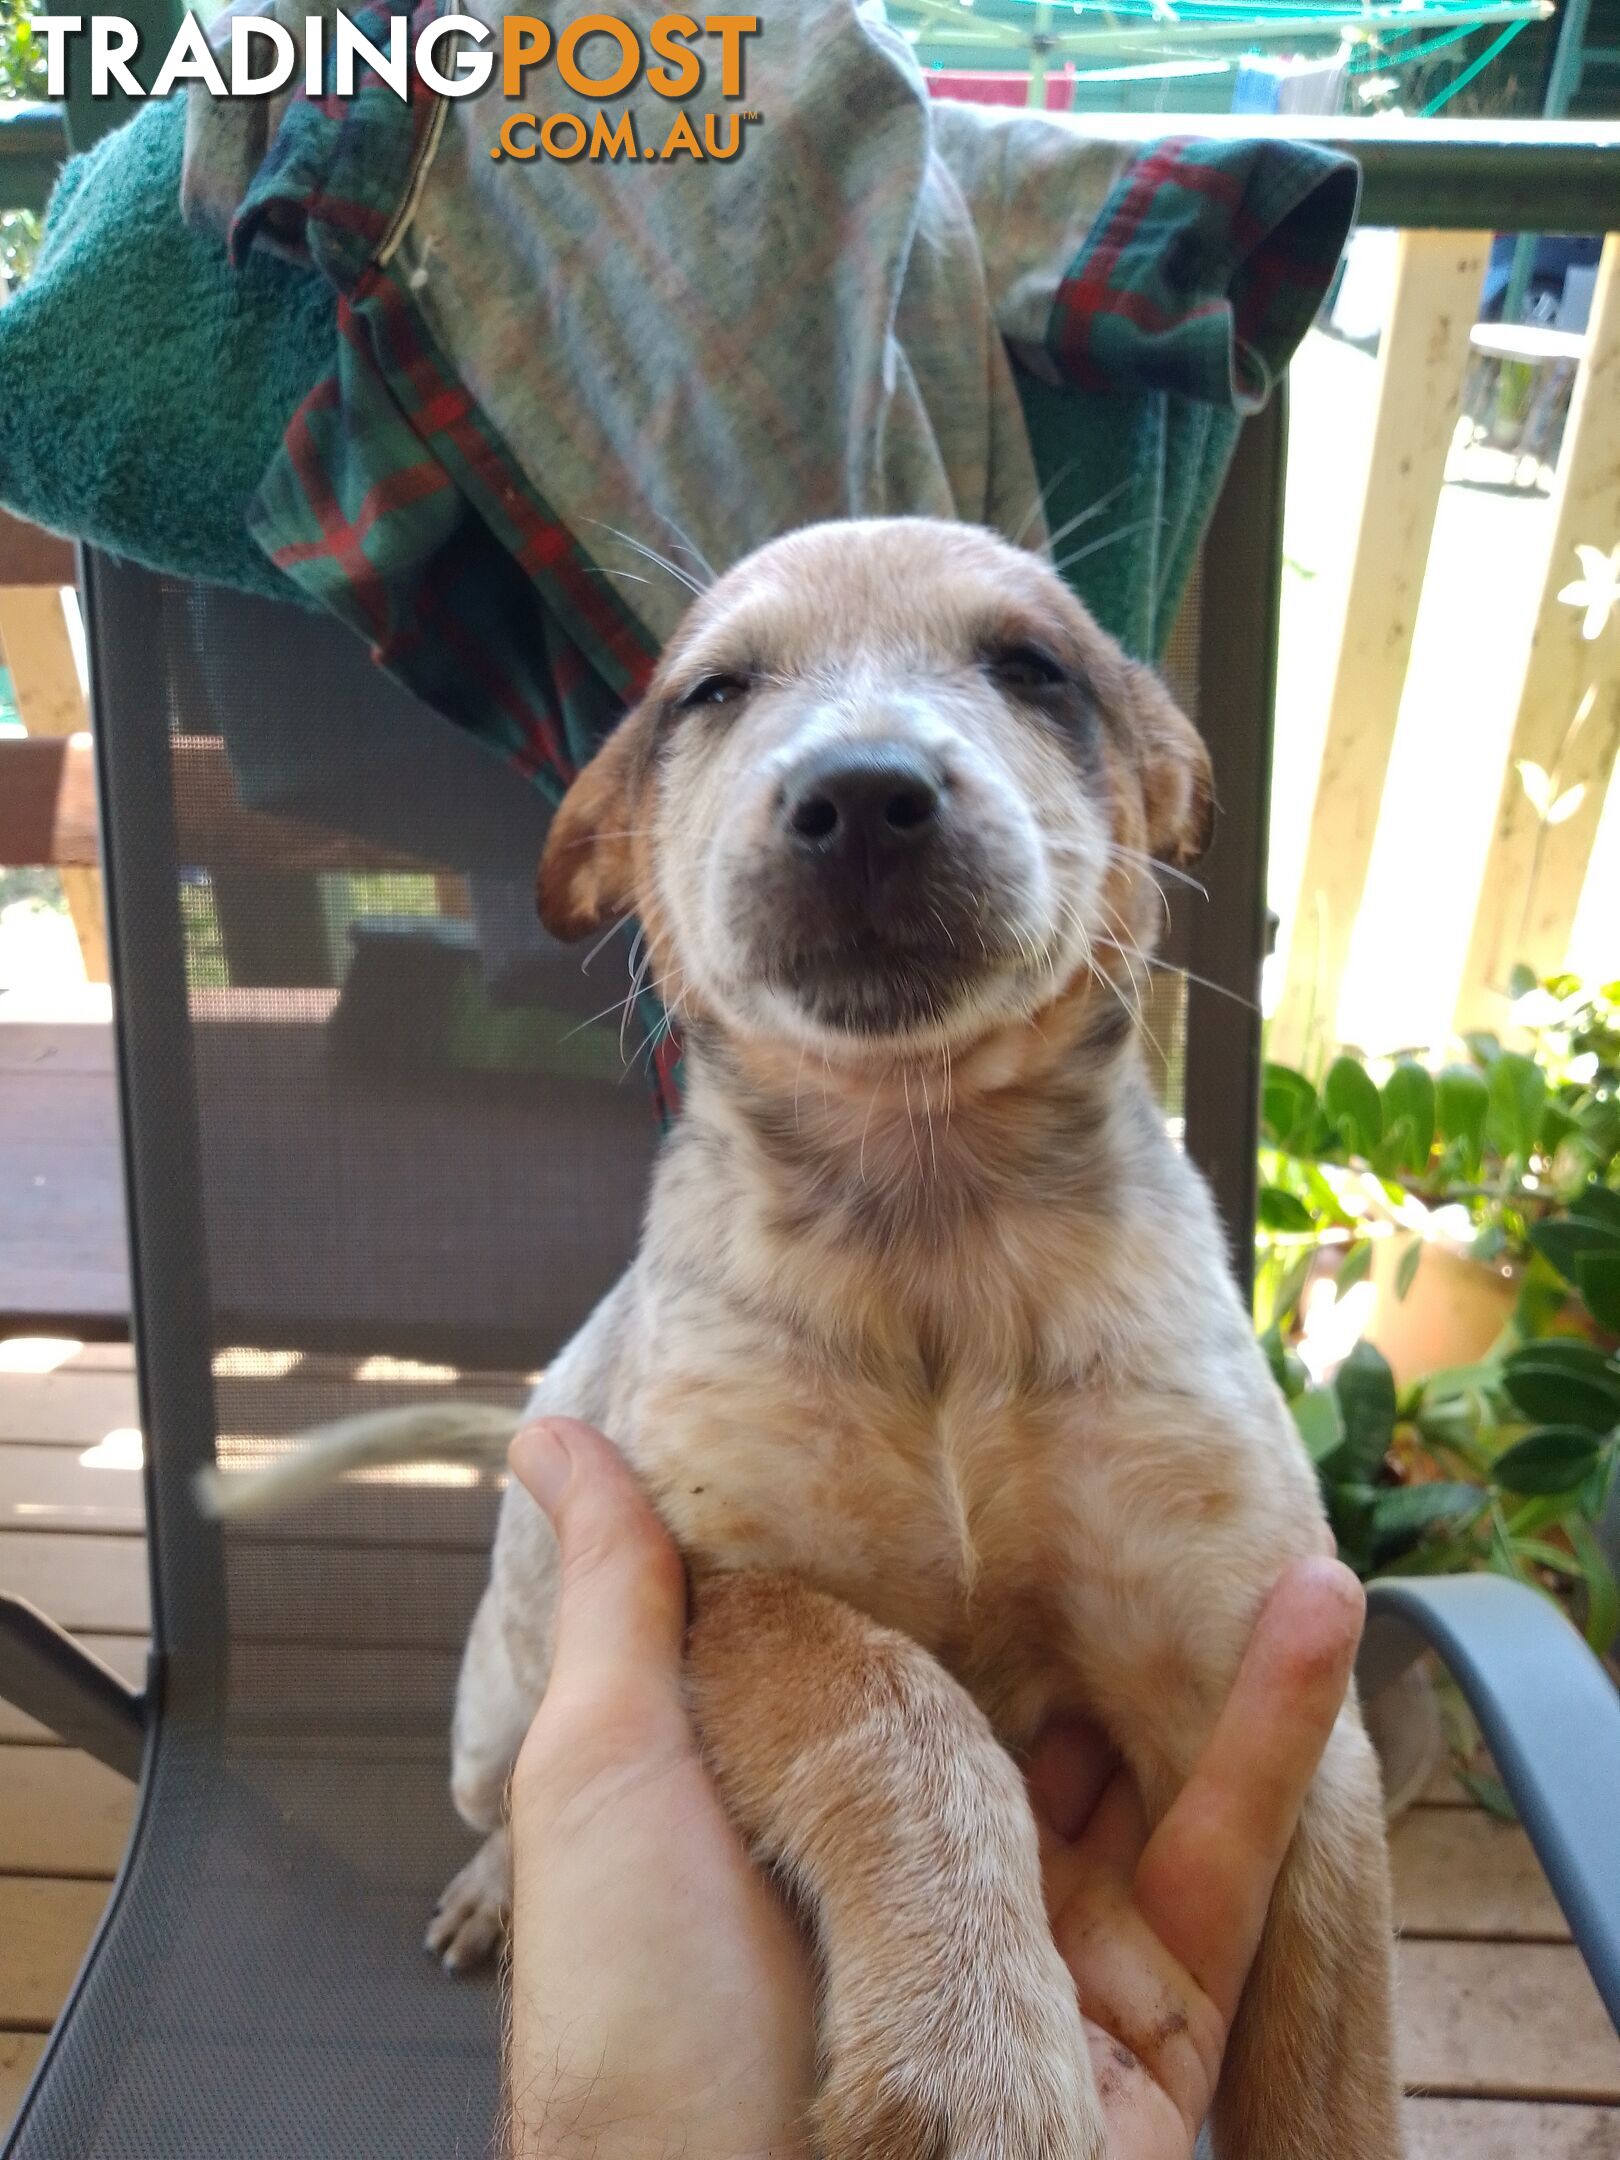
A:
[(430, 1432)]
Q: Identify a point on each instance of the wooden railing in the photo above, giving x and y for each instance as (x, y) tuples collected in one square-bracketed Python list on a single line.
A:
[(45, 686), (1534, 866)]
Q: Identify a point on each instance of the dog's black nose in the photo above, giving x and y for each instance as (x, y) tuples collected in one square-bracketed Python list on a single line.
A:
[(863, 806)]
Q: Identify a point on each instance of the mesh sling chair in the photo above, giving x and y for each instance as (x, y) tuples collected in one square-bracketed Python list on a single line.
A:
[(345, 1152)]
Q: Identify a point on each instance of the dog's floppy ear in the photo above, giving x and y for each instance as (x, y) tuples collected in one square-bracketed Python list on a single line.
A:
[(1178, 783), (587, 867)]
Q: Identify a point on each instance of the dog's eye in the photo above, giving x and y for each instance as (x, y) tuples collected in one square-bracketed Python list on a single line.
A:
[(716, 690), (1025, 667)]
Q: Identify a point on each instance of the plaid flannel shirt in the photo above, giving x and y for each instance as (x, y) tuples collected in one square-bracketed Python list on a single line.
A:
[(541, 368)]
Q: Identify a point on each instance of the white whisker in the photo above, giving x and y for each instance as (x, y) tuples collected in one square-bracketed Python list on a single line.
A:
[(928, 1120), (607, 937), (1040, 501), (611, 570), (1084, 517), (661, 562), (1174, 967), (1152, 862), (1120, 532), (683, 542)]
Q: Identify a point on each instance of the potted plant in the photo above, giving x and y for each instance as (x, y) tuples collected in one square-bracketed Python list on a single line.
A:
[(1446, 1189), (1489, 1435)]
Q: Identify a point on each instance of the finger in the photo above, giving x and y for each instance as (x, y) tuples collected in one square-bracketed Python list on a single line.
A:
[(1113, 1840), (1206, 1878), (623, 1601)]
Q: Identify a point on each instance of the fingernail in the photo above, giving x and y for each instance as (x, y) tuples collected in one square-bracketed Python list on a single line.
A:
[(540, 1457)]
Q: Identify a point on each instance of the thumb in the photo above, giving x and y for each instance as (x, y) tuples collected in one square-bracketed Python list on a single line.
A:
[(623, 1600), (1206, 1878)]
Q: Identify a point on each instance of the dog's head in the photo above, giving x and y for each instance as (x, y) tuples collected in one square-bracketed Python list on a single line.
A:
[(890, 790)]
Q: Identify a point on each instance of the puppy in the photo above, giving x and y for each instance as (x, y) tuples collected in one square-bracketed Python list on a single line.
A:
[(930, 1358)]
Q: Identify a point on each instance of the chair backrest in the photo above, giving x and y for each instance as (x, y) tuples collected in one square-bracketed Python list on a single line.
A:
[(381, 1136)]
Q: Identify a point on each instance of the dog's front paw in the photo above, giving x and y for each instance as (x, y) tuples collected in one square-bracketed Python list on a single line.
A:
[(972, 2072), (470, 1920)]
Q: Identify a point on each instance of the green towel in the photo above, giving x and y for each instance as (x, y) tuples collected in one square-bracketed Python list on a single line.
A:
[(150, 385)]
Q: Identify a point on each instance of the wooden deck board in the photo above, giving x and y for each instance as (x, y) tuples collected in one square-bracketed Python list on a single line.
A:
[(1508, 2130), (61, 1178), (62, 1813), (45, 1929), (1478, 2020), (79, 1580), (19, 2051), (53, 1488), (1462, 1874), (72, 1408)]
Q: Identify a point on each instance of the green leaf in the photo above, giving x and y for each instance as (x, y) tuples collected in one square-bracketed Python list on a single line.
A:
[(1517, 1088), (1316, 1413), (1389, 1157), (1556, 1127), (1365, 1388), (1462, 1102), (1409, 1096), (1406, 1270), (1555, 1387), (1291, 1285), (1483, 1047), (1542, 1555), (1597, 1205), (1598, 1280), (1570, 1353), (1275, 1350), (1566, 1240), (1453, 1422), (1522, 981), (1531, 1516), (1351, 1102), (1280, 1210), (1602, 1590), (1551, 1460), (1354, 1266), (1286, 1369), (1350, 1509), (1289, 1109), (1492, 1795), (1542, 1299), (1407, 1511)]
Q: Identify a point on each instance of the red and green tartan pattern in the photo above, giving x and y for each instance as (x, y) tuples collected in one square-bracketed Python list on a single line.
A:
[(1205, 269), (393, 504)]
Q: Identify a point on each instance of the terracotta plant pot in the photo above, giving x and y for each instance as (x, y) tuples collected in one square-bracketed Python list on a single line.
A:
[(1454, 1310)]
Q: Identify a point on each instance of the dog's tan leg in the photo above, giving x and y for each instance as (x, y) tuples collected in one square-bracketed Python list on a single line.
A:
[(1310, 2071), (855, 1764), (493, 1712)]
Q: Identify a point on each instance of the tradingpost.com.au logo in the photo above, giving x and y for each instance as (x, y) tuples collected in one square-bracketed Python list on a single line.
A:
[(595, 58)]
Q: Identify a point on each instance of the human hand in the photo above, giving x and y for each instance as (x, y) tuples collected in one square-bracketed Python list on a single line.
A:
[(1159, 1930), (662, 1995)]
